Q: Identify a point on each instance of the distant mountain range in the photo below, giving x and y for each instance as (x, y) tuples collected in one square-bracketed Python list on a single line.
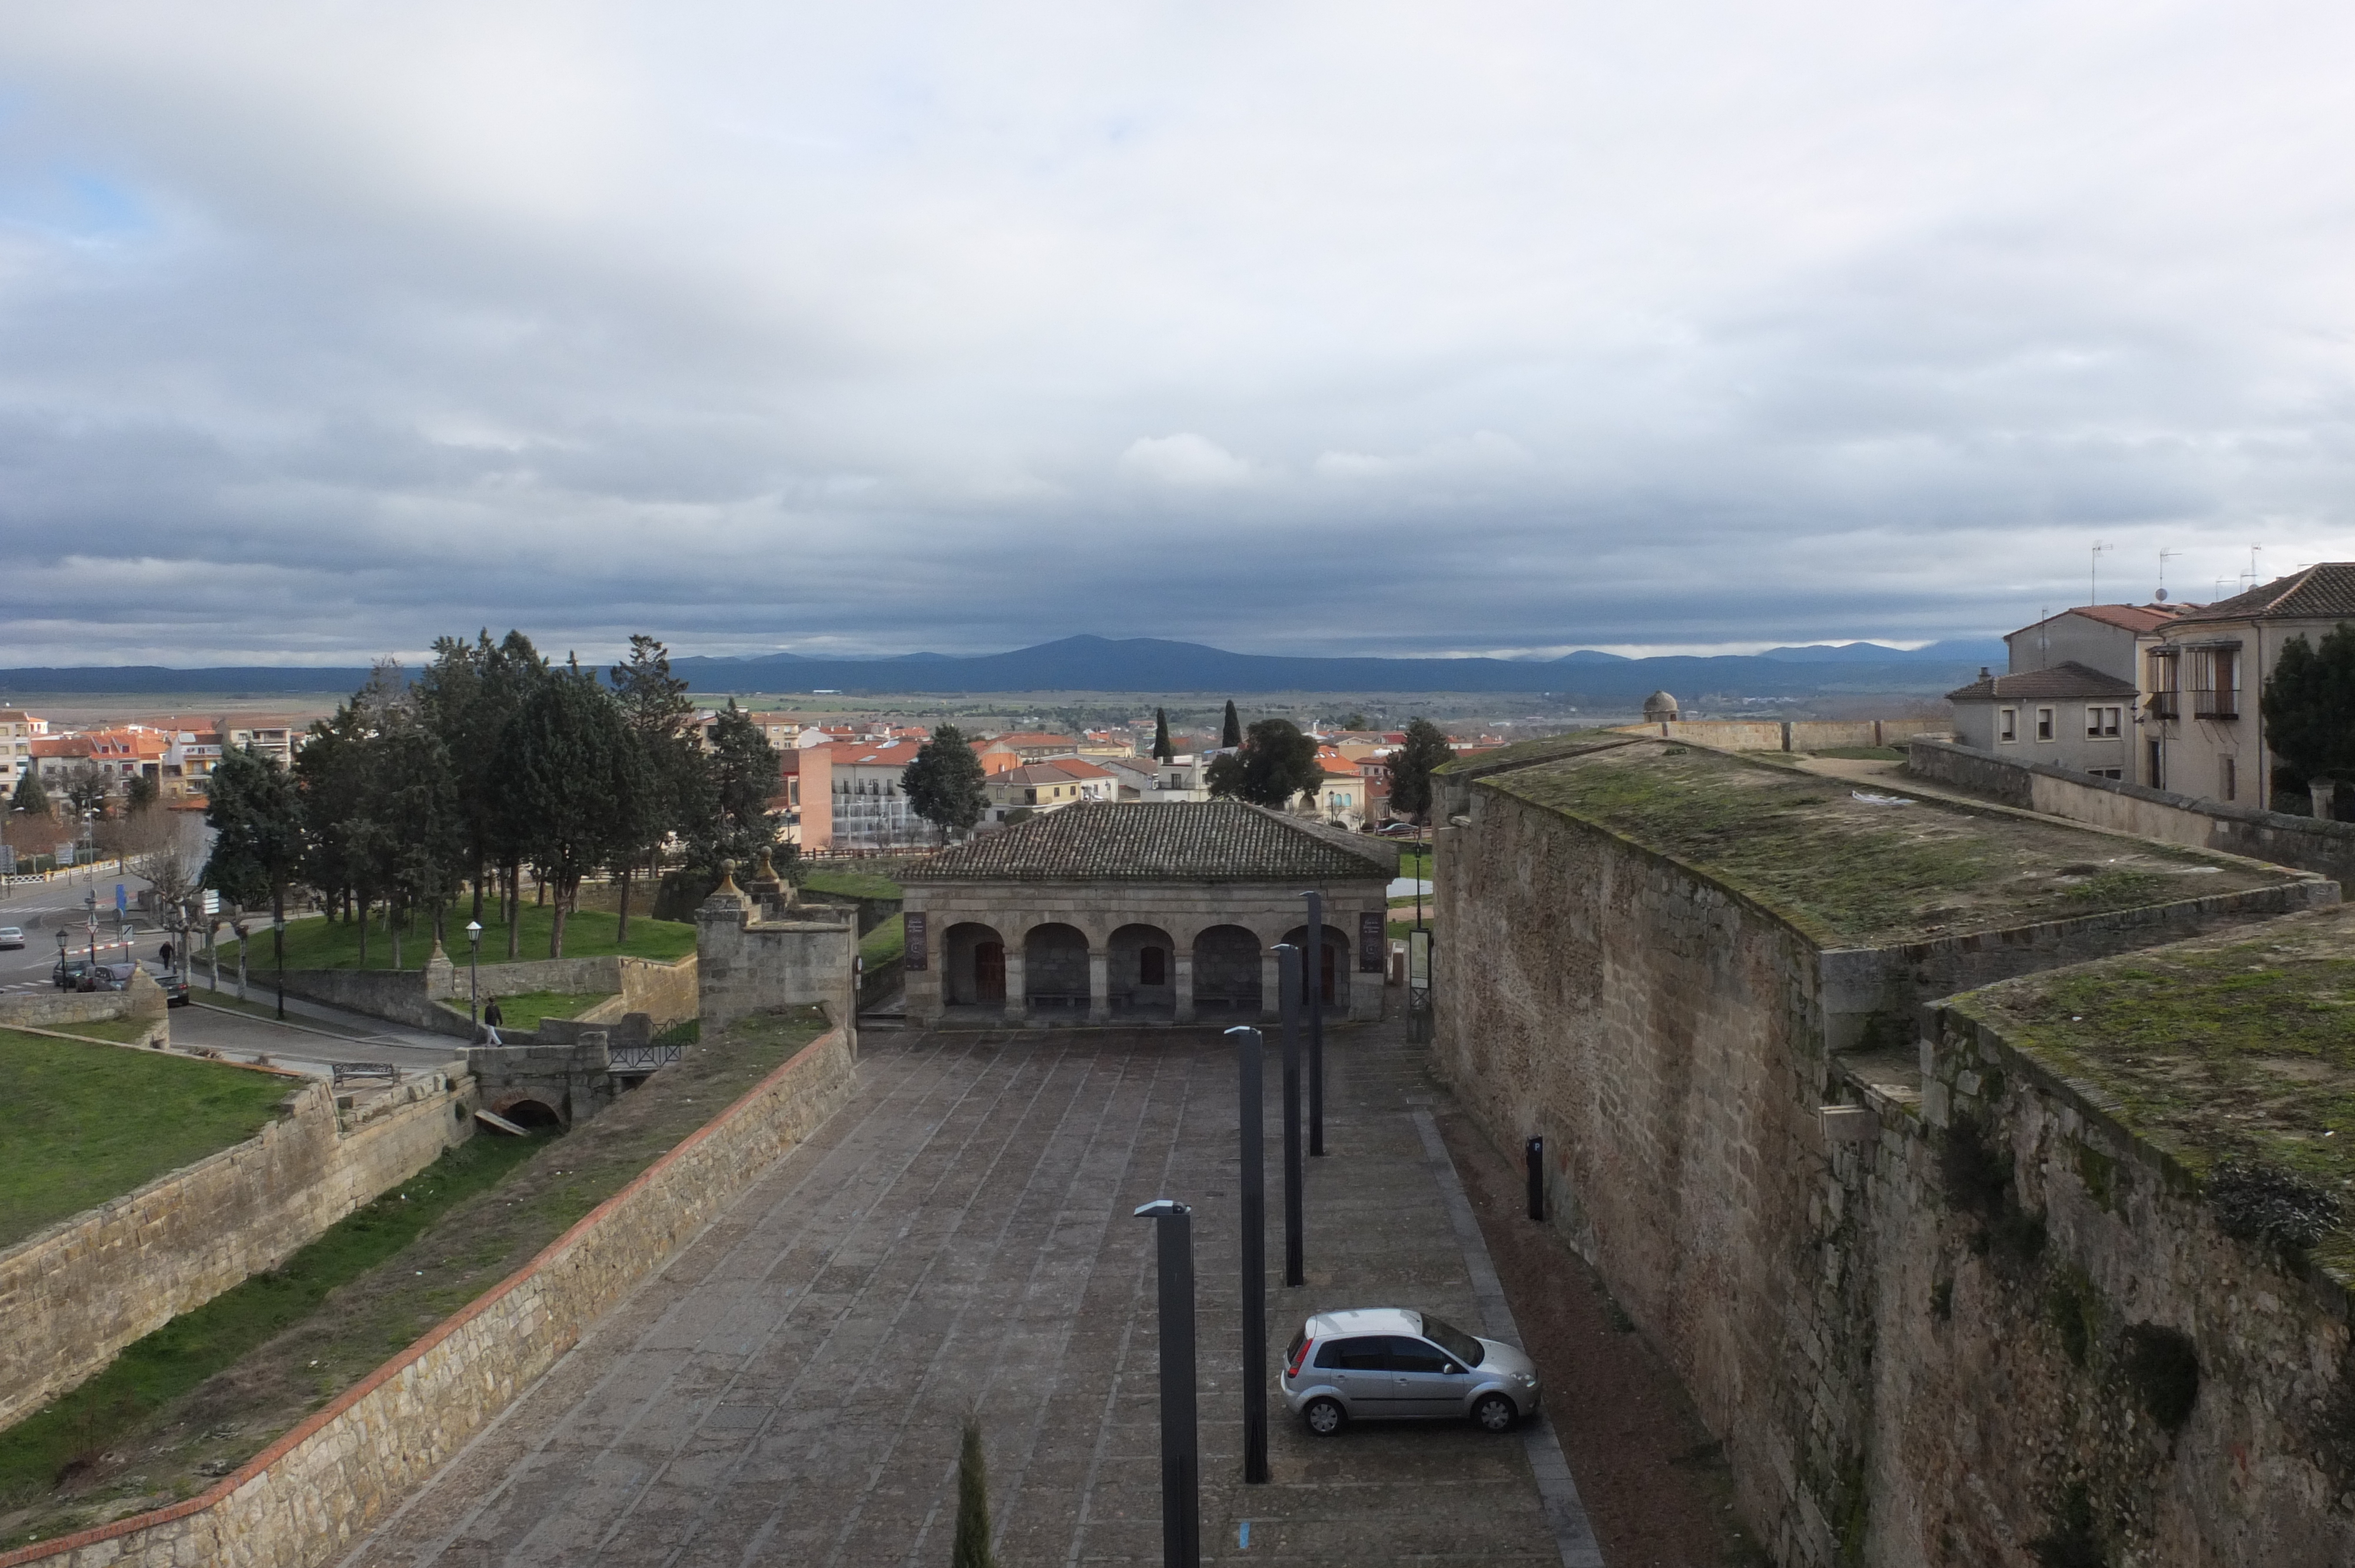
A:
[(1154, 665)]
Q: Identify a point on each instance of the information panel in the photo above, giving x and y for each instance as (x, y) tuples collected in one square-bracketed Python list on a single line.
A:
[(916, 952)]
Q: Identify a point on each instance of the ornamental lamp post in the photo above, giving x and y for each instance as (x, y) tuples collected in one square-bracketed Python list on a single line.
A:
[(475, 974), (278, 940)]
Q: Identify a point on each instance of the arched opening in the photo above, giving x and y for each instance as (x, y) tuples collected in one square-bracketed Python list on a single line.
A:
[(1332, 978), (1055, 969), (973, 957), (1226, 970), (532, 1116), (1143, 964)]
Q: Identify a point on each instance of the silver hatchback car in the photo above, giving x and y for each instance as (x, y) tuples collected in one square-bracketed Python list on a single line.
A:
[(1387, 1363)]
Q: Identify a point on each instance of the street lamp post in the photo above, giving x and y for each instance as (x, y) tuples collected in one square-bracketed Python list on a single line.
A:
[(1250, 1116), (1313, 981), (278, 940), (475, 974), (1287, 982), (1182, 1466)]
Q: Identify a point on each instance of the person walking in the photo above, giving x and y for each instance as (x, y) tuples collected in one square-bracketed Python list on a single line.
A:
[(492, 1019)]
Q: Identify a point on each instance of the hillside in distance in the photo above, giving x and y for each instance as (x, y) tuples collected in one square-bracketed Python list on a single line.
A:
[(1156, 664)]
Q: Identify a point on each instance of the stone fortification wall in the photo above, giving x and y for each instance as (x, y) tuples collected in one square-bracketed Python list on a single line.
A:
[(1790, 735), (664, 992), (746, 966), (79, 1292), (306, 1499), (401, 995), (1670, 1039), (62, 1010), (2326, 848), (1989, 1379), (563, 976)]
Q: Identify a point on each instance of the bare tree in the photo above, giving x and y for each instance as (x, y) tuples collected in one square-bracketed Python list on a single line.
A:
[(167, 849)]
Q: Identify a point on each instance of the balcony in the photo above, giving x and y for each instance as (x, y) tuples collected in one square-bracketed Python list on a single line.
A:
[(2167, 705), (2216, 704)]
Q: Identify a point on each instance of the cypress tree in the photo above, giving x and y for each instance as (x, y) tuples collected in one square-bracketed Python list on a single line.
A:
[(972, 1503), (31, 799), (1232, 735), (1162, 750)]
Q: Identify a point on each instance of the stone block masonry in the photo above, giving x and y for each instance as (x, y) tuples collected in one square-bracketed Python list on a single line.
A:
[(306, 1500), (61, 1010), (76, 1293), (1676, 1037)]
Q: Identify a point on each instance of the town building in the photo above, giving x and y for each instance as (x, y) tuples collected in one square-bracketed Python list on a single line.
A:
[(2069, 715), (2110, 638), (868, 808), (1049, 787), (2204, 731), (18, 730), (1028, 746), (1144, 913), (118, 755)]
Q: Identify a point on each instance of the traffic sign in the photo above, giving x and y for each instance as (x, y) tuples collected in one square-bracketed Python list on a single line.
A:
[(7, 861), (212, 902), (121, 902)]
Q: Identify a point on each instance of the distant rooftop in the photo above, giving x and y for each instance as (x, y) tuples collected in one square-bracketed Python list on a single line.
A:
[(2227, 1046), (2066, 679), (2322, 592), (1851, 873)]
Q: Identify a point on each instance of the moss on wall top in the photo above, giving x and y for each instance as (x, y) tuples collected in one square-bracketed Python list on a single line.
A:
[(1521, 753), (1850, 872), (2225, 1048)]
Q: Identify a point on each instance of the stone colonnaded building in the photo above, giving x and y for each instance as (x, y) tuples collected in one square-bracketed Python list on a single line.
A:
[(1142, 913)]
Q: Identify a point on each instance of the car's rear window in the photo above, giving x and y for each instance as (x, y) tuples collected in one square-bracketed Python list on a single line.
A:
[(1464, 1347)]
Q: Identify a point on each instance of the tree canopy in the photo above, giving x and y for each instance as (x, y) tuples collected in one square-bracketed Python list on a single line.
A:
[(1411, 766), (1230, 732), (1276, 763), (579, 780), (256, 814), (944, 784), (2309, 707), (1162, 750), (30, 798)]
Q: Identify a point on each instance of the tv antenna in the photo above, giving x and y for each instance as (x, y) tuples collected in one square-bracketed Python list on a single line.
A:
[(2165, 556), (2094, 575), (2254, 550)]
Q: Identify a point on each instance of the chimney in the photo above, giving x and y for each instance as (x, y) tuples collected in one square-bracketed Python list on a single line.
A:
[(1983, 673)]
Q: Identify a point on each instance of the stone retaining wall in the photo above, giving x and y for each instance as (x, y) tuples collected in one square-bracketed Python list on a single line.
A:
[(2326, 848), (308, 1498), (77, 1293), (1788, 735), (61, 1010)]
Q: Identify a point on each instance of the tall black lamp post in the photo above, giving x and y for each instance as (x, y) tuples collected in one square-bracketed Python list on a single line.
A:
[(1249, 1116), (1181, 1462), (278, 941), (1287, 992), (1313, 980)]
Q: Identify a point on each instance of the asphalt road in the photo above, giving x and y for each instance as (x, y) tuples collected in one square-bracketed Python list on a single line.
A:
[(41, 910)]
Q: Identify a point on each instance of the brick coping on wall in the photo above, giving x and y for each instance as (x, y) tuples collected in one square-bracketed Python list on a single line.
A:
[(351, 1396)]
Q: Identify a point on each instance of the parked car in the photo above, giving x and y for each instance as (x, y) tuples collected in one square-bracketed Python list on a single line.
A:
[(174, 985), (1394, 1363), (66, 974), (11, 937)]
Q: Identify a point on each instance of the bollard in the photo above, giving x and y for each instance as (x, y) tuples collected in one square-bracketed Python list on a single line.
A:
[(1535, 1157)]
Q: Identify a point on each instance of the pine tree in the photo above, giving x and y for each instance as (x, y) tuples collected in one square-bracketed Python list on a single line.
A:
[(30, 798), (944, 785), (1232, 734), (1162, 750), (973, 1504)]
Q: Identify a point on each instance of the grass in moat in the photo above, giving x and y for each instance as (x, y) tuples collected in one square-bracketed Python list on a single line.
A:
[(886, 944), (850, 883), (324, 943), (371, 1293), (523, 1009), (81, 1124)]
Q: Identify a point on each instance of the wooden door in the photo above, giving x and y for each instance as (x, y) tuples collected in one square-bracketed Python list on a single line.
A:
[(990, 971)]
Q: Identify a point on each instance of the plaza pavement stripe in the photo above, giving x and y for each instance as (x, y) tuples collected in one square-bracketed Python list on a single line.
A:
[(1008, 1326), (657, 1500), (774, 1524), (839, 1135), (1555, 1483)]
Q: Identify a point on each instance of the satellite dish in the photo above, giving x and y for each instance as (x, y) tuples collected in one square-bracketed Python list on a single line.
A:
[(2161, 595)]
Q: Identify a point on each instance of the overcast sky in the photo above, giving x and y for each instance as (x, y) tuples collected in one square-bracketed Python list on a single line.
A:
[(1351, 328)]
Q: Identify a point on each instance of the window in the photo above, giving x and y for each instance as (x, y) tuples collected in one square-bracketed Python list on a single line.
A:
[(2228, 778), (2215, 682), (2044, 730), (1369, 1354), (2102, 724), (2006, 723)]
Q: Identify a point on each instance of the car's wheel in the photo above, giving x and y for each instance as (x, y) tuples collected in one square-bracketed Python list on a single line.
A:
[(1495, 1413), (1325, 1416)]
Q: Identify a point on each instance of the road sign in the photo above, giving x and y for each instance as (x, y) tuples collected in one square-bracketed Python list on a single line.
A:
[(121, 901), (7, 861), (212, 902), (64, 854)]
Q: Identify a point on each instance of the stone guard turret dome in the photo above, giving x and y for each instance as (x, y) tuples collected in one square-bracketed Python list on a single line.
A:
[(1659, 706)]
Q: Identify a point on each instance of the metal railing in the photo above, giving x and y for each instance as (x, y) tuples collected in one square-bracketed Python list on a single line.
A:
[(2167, 705), (346, 1072), (641, 1058), (2216, 704)]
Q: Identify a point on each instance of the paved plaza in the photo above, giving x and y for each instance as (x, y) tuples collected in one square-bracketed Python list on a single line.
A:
[(958, 1238)]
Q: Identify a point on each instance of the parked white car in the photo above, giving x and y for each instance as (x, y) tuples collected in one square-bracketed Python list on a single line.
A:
[(1391, 1363)]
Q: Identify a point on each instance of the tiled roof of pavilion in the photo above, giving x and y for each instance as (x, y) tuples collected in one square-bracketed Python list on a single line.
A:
[(1211, 841)]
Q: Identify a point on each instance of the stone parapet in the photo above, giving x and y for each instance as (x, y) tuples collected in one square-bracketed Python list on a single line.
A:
[(307, 1499)]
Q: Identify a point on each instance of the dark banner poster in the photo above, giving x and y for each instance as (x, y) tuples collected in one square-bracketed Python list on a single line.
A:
[(1369, 941), (913, 923)]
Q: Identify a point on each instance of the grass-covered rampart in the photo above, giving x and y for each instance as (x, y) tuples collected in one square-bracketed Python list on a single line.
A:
[(328, 944), (81, 1124), (1851, 872)]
